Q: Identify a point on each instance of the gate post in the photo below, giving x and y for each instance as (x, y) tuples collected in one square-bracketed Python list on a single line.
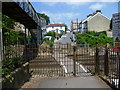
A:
[(97, 61), (1, 48), (1, 55), (1, 44), (74, 60), (118, 54), (106, 62)]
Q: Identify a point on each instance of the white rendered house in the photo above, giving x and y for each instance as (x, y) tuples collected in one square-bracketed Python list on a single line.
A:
[(58, 28)]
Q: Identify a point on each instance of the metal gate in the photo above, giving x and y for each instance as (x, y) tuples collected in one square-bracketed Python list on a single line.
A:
[(62, 60)]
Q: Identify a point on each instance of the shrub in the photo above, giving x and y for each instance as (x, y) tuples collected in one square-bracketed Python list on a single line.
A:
[(92, 40)]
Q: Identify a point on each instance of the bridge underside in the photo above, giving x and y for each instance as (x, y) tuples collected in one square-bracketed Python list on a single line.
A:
[(14, 11)]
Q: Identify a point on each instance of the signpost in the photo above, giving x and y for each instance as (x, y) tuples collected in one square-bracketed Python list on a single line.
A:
[(116, 31)]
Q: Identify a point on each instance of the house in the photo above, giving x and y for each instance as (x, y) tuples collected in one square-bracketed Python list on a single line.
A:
[(95, 22), (68, 30), (75, 25), (58, 28)]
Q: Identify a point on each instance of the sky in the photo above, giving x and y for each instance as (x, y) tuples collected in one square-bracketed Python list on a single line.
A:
[(65, 12)]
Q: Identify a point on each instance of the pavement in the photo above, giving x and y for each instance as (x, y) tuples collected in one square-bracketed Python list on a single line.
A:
[(74, 82), (65, 40), (84, 80), (67, 63), (64, 61)]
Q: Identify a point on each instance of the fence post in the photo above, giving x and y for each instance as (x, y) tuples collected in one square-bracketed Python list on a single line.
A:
[(118, 53), (1, 48), (1, 45), (74, 60), (106, 62), (25, 43), (97, 61)]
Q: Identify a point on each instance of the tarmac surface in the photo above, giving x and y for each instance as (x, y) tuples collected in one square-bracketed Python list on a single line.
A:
[(74, 82), (83, 81)]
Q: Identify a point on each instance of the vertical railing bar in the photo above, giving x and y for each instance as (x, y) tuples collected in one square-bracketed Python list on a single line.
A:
[(106, 64), (115, 71), (119, 69), (96, 61), (74, 60), (111, 66), (25, 43), (112, 61), (60, 62)]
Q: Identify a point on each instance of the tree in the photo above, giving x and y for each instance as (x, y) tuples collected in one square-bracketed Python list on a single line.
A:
[(50, 42), (50, 33), (91, 32), (7, 23), (66, 28), (10, 60), (45, 17)]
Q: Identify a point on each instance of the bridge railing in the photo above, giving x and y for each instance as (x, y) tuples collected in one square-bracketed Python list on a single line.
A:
[(28, 8), (43, 22), (108, 66)]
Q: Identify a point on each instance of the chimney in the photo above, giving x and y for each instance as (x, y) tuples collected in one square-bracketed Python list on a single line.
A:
[(89, 15), (98, 11), (94, 13)]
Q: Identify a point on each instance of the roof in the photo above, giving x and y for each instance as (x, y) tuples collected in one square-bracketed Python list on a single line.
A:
[(56, 25), (90, 17), (87, 19)]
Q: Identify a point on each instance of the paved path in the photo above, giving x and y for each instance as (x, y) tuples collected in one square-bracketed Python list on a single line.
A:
[(84, 80), (65, 40), (64, 61), (74, 82), (67, 63)]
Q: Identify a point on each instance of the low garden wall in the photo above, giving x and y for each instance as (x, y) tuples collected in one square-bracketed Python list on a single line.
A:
[(17, 77)]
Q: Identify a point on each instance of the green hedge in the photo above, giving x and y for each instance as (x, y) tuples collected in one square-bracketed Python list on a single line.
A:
[(92, 38)]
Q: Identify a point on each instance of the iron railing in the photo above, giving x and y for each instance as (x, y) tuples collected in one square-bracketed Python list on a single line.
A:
[(67, 60), (109, 66), (62, 60), (28, 8)]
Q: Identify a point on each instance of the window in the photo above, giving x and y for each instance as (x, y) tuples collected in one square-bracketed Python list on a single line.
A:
[(60, 27), (53, 30), (52, 26)]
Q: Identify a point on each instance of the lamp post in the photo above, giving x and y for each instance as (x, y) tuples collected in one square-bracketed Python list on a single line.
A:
[(77, 24)]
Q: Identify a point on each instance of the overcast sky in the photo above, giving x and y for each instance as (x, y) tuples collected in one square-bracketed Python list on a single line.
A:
[(64, 11)]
